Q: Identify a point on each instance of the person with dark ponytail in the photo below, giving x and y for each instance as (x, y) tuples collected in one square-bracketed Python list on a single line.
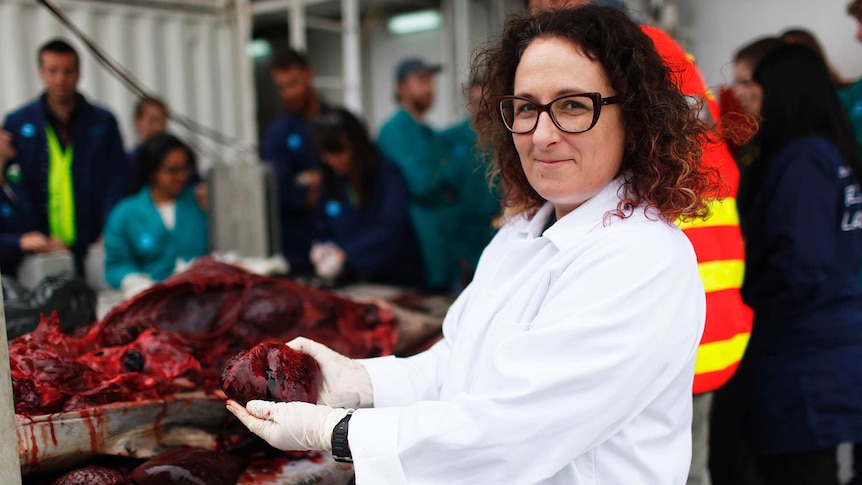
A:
[(362, 225), (159, 222), (802, 220)]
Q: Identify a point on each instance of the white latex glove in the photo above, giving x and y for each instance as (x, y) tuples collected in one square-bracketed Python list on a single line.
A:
[(134, 283), (290, 426), (346, 383), (328, 259)]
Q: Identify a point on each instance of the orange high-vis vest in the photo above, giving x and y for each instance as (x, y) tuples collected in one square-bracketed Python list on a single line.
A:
[(717, 240)]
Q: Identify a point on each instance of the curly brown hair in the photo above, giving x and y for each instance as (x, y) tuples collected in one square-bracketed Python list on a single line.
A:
[(664, 137)]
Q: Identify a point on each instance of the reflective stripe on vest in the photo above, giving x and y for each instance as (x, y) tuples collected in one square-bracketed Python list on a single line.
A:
[(721, 354), (61, 194)]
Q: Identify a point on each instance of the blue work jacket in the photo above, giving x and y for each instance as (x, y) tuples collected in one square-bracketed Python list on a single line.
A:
[(432, 181), (137, 241), (288, 147), (16, 218), (100, 169), (378, 239), (803, 254)]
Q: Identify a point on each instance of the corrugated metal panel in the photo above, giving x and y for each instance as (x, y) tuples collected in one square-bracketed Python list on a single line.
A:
[(188, 53)]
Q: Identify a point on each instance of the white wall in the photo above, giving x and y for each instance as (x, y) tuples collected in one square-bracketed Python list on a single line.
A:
[(713, 30)]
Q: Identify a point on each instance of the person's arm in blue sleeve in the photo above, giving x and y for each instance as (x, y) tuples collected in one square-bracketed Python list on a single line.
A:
[(423, 177), (10, 249), (800, 234), (274, 150), (119, 260), (381, 239), (118, 170)]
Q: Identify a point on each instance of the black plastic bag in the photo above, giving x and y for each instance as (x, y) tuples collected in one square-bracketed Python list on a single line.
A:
[(74, 301)]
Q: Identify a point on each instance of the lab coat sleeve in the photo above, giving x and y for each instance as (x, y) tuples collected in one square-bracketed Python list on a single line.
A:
[(799, 236), (274, 150), (381, 237), (613, 332), (422, 174), (404, 381), (119, 260)]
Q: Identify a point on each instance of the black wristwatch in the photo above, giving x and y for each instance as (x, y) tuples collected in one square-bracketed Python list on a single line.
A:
[(340, 446)]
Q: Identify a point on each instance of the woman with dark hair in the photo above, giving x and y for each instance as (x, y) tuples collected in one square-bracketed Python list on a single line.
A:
[(362, 225), (802, 211), (570, 356), (160, 222)]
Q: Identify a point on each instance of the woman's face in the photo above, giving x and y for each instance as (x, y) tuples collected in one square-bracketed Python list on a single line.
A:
[(567, 169), (173, 174), (748, 93), (339, 162)]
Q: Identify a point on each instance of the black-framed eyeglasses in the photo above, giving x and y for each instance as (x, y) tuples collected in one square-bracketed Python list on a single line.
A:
[(572, 113)]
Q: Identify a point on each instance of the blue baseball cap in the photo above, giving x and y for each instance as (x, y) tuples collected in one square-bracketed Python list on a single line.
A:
[(413, 65)]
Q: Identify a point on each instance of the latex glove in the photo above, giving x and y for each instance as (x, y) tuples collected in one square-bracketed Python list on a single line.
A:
[(328, 259), (346, 383), (290, 426), (134, 283)]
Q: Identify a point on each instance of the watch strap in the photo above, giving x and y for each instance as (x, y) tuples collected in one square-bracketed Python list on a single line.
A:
[(340, 446)]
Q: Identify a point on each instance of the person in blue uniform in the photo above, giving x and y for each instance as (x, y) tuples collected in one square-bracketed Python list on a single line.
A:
[(362, 225), (478, 202), (18, 234), (801, 214), (432, 180), (73, 167), (287, 146), (160, 222)]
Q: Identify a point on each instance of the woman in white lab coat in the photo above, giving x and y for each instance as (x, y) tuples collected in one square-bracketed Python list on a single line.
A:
[(569, 359)]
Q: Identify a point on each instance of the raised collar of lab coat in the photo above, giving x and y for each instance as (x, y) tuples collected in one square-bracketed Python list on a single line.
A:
[(582, 220)]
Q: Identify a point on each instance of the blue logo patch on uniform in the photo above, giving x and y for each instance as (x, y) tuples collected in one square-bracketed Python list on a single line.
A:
[(460, 150), (28, 130), (6, 210), (332, 208), (294, 141), (97, 130), (146, 241)]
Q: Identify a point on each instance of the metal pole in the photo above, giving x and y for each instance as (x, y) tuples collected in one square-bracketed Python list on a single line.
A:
[(245, 77), (351, 60), (10, 466), (296, 23)]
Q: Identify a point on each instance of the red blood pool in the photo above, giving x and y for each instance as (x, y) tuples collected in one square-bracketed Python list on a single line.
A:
[(272, 371)]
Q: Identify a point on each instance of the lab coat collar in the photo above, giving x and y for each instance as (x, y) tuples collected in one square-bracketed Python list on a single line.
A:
[(590, 214)]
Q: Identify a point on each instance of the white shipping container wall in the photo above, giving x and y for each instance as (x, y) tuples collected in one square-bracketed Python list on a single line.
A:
[(713, 31), (186, 54)]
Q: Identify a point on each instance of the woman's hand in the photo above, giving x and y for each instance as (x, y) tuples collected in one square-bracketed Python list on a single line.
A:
[(290, 426), (346, 383)]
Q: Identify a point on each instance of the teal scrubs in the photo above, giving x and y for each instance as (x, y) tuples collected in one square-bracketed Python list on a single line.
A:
[(431, 179), (137, 241), (851, 98), (478, 204)]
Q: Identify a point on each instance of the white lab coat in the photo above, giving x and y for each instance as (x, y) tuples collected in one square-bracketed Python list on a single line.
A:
[(568, 360)]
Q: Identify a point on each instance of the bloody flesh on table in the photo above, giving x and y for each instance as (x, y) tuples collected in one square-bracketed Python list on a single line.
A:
[(179, 334)]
